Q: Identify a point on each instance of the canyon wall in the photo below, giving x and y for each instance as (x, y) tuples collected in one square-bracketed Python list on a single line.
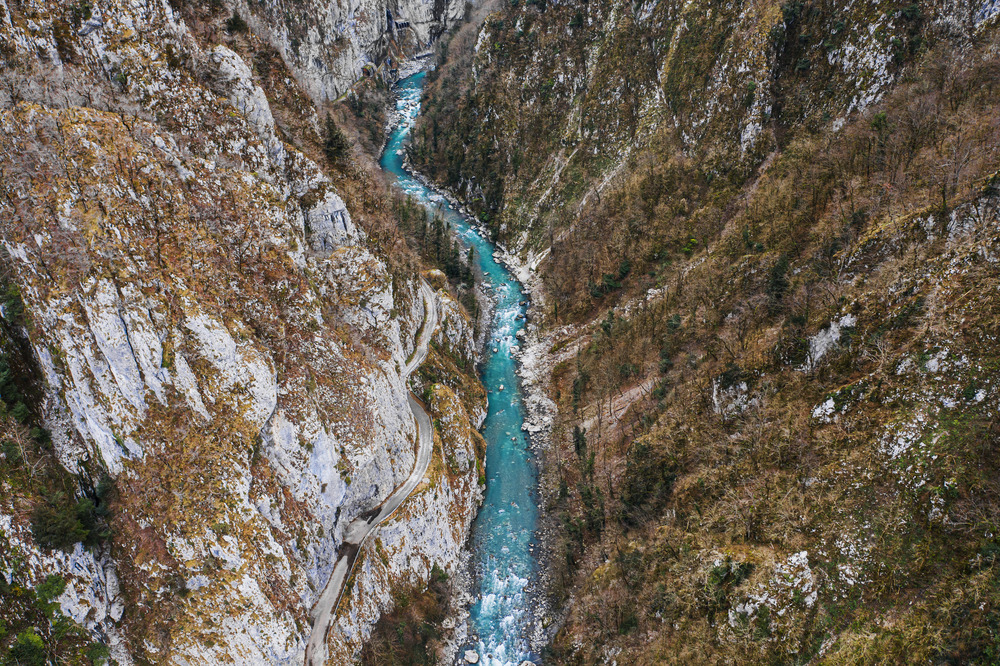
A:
[(212, 324), (764, 239)]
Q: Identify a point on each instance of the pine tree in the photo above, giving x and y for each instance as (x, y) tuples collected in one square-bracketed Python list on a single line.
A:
[(336, 146), (579, 440), (470, 263)]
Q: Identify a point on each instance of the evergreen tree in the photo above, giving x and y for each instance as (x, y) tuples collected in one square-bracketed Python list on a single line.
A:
[(579, 440), (336, 145)]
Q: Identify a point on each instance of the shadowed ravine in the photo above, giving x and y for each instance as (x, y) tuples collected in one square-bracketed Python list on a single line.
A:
[(504, 530)]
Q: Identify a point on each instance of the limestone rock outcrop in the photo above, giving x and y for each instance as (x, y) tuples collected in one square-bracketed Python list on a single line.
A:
[(213, 332)]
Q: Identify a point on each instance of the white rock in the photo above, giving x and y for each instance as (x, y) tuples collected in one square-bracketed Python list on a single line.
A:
[(233, 75), (331, 225)]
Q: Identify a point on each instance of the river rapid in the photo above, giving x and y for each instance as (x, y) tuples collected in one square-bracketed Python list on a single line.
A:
[(504, 535)]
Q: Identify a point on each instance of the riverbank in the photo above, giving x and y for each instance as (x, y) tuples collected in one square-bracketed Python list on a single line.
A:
[(498, 603), (534, 363)]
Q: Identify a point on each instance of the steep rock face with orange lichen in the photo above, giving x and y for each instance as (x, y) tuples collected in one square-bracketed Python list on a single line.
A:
[(214, 328)]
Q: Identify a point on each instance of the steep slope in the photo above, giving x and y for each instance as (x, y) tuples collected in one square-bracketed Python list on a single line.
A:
[(765, 239), (330, 46), (216, 339), (559, 105)]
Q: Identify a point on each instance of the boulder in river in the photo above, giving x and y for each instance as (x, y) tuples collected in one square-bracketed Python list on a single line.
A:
[(471, 656)]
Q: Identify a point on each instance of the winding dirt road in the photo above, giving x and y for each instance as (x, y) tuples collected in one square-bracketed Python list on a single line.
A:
[(325, 610)]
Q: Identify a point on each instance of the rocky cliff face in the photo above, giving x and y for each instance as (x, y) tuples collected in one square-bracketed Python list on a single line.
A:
[(766, 236), (215, 334), (330, 46), (556, 100)]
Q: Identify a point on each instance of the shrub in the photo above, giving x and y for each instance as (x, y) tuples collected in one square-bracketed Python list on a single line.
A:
[(628, 622), (236, 24), (41, 435), (55, 524), (28, 649), (406, 635), (731, 376), (21, 412), (99, 654), (790, 11), (610, 281), (47, 592), (8, 387), (80, 12), (62, 33), (11, 452), (911, 12), (722, 578), (777, 283), (666, 362), (59, 523), (50, 589), (647, 484)]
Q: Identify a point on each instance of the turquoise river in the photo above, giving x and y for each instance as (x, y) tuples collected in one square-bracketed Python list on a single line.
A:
[(505, 528)]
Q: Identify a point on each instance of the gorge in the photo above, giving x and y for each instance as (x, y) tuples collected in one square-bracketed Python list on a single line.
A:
[(503, 533), (505, 332)]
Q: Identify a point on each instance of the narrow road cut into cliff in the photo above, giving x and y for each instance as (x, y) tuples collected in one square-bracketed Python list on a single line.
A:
[(325, 609)]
